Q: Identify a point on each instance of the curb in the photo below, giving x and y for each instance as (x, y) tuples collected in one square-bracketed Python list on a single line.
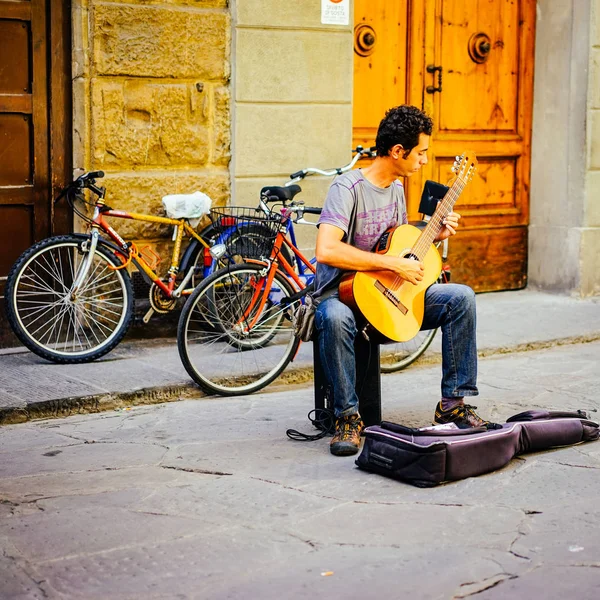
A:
[(65, 407)]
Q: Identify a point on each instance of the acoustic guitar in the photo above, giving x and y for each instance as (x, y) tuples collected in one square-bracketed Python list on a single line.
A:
[(392, 306)]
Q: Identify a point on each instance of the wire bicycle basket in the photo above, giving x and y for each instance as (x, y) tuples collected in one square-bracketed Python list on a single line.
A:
[(246, 232)]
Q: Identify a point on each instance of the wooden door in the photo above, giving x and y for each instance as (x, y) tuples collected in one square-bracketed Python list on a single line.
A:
[(485, 51), (34, 125), (380, 58)]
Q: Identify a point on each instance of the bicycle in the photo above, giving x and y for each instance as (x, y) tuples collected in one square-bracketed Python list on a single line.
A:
[(69, 298), (250, 306)]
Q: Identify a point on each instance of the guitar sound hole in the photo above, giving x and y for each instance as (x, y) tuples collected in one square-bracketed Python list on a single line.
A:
[(412, 256)]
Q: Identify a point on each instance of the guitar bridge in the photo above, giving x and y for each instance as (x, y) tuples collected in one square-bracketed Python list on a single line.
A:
[(391, 297)]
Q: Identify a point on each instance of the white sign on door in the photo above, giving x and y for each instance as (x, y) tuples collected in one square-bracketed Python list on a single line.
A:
[(335, 12)]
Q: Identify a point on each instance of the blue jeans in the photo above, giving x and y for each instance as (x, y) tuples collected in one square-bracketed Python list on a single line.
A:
[(449, 306)]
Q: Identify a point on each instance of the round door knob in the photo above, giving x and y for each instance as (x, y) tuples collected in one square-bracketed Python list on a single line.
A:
[(479, 47), (364, 40)]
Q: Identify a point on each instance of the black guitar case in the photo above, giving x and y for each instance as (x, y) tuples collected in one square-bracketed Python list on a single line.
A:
[(429, 456)]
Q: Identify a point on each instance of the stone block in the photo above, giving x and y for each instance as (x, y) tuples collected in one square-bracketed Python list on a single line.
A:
[(590, 251), (295, 136), (181, 3), (136, 123), (594, 140), (158, 41), (293, 66), (81, 149), (80, 41), (194, 3), (554, 253), (314, 188), (222, 126), (594, 99), (275, 13), (592, 206), (143, 194), (596, 21)]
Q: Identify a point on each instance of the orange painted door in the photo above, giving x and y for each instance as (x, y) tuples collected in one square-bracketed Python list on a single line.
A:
[(380, 52), (469, 65)]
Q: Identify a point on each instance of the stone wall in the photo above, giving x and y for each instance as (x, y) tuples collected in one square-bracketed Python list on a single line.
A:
[(564, 232), (590, 248), (152, 101), (292, 84)]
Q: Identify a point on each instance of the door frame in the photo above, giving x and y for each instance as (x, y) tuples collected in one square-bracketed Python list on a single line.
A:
[(61, 114)]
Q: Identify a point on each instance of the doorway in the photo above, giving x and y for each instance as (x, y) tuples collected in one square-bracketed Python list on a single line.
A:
[(470, 67), (35, 125)]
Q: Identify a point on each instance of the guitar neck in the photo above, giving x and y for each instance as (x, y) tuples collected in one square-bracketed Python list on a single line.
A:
[(434, 226)]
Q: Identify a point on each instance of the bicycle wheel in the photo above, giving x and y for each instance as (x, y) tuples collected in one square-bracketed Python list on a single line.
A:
[(216, 358), (50, 322), (403, 354)]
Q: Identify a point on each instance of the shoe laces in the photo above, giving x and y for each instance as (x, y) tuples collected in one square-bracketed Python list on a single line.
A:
[(469, 410), (349, 426)]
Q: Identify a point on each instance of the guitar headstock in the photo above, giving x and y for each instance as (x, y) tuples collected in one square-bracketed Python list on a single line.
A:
[(465, 166)]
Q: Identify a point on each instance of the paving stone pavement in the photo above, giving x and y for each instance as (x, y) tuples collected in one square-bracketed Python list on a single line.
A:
[(208, 499)]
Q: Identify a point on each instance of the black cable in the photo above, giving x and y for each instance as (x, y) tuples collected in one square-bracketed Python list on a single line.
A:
[(72, 196), (323, 419)]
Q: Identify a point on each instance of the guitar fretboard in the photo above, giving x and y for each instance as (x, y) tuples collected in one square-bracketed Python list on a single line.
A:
[(434, 226)]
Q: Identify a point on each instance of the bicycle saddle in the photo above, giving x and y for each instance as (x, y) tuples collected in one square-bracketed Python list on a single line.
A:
[(272, 193)]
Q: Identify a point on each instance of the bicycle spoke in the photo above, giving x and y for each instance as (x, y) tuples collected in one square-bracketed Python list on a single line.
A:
[(35, 283), (52, 269), (47, 329), (251, 340), (43, 313)]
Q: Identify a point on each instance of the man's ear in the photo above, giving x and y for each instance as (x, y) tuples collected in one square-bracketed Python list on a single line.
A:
[(396, 151)]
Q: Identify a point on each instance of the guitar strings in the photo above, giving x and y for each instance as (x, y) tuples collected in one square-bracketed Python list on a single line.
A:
[(442, 210)]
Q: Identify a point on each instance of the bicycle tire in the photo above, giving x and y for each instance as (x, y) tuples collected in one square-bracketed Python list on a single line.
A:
[(404, 354), (216, 364), (56, 327), (258, 337)]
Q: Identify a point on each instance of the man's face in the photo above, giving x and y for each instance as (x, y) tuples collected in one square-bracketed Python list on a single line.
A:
[(415, 160)]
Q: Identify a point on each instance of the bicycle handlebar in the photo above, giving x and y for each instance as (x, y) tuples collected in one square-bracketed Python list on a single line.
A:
[(90, 176), (312, 210), (360, 153)]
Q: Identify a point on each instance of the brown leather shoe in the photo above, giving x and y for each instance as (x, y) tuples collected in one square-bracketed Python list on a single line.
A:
[(346, 439)]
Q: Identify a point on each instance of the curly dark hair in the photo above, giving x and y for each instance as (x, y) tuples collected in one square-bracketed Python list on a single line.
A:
[(402, 125)]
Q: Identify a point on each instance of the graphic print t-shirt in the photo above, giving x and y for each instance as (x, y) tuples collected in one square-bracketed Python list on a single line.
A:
[(363, 212)]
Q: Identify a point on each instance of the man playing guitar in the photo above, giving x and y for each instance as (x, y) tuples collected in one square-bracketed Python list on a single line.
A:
[(360, 206)]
